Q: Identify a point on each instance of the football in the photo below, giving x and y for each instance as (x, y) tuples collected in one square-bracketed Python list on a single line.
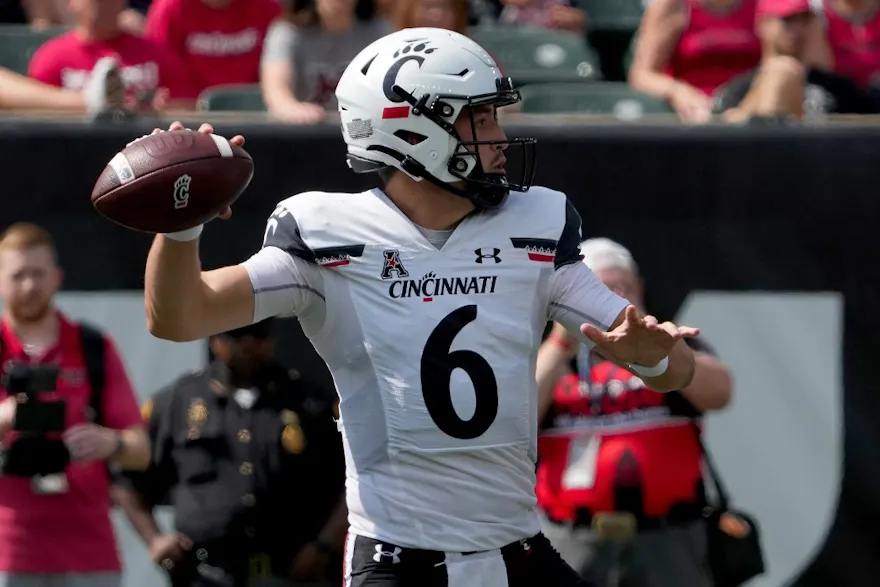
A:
[(172, 181)]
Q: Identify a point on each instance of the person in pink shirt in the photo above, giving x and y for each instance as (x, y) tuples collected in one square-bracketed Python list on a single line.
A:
[(152, 74), (55, 529), (220, 41)]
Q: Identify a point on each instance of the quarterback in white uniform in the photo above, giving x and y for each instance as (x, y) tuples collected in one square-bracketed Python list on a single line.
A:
[(427, 298)]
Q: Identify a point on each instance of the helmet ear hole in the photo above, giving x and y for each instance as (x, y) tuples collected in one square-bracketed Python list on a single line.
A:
[(413, 138), (442, 109), (458, 164)]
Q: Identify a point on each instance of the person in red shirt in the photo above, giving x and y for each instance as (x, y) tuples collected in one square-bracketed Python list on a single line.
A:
[(152, 74), (220, 41), (619, 465), (59, 533), (852, 31), (687, 49)]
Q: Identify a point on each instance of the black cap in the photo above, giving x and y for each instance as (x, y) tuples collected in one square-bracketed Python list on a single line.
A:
[(263, 329)]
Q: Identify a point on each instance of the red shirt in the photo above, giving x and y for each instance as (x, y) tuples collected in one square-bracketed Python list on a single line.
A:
[(219, 45), (716, 46), (66, 61), (591, 427), (69, 532), (854, 45)]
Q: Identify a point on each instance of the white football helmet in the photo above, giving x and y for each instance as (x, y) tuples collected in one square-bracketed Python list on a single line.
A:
[(399, 100)]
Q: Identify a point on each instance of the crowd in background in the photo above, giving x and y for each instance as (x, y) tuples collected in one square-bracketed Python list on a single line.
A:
[(721, 60)]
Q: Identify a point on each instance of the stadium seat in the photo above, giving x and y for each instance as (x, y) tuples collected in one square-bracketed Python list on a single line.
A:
[(241, 98), (630, 52), (532, 55), (18, 43), (614, 14), (614, 98)]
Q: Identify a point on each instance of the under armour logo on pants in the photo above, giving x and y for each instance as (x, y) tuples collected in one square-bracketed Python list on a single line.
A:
[(384, 556)]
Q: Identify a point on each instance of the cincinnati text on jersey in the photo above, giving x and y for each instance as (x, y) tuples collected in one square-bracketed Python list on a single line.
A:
[(431, 286)]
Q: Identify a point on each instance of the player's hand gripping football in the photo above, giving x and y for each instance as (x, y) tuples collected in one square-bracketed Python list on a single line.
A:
[(638, 340), (207, 129)]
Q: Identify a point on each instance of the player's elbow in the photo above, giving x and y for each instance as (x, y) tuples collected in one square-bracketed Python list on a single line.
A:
[(174, 330)]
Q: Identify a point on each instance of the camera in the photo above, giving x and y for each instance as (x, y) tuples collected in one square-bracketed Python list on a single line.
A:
[(37, 451), (34, 415)]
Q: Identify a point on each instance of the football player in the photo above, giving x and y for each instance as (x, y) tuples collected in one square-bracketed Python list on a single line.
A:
[(427, 298)]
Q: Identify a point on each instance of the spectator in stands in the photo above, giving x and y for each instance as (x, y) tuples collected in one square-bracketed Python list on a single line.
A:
[(151, 73), (44, 14), (619, 474), (104, 91), (784, 86), (55, 527), (252, 462), (686, 49), (302, 64), (484, 12), (385, 8), (852, 29), (134, 18), (563, 15), (219, 41), (442, 14)]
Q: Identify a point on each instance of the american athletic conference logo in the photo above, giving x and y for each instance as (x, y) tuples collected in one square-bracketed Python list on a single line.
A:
[(387, 556), (392, 268)]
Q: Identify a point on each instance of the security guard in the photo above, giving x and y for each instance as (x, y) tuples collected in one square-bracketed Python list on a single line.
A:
[(253, 466)]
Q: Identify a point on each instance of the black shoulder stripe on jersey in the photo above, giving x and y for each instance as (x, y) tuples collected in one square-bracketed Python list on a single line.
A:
[(568, 249), (282, 231), (340, 251), (542, 250), (339, 255), (545, 244)]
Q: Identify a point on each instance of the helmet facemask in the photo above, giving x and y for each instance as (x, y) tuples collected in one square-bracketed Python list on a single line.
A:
[(485, 190)]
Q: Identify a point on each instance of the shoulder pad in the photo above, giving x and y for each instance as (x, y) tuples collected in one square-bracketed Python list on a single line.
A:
[(318, 227), (547, 223)]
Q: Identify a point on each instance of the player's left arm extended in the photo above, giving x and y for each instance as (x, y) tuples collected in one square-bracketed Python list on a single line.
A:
[(578, 297), (679, 372)]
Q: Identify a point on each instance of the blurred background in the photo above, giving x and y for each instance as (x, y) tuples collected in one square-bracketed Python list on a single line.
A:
[(729, 144)]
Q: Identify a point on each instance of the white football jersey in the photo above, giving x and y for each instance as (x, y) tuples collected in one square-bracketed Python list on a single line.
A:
[(432, 352)]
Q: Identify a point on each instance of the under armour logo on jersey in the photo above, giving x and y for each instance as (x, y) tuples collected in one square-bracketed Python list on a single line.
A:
[(526, 546), (392, 267), (483, 254), (384, 556)]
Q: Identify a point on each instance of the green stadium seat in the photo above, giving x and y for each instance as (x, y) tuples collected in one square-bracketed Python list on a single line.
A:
[(239, 98), (18, 43), (614, 98), (613, 14), (630, 52), (533, 55)]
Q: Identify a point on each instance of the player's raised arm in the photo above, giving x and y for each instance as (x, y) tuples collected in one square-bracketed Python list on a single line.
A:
[(602, 319), (184, 303)]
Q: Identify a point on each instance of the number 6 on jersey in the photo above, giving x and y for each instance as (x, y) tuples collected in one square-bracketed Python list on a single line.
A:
[(437, 365)]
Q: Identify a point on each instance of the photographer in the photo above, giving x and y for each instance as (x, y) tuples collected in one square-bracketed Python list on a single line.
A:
[(67, 411)]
